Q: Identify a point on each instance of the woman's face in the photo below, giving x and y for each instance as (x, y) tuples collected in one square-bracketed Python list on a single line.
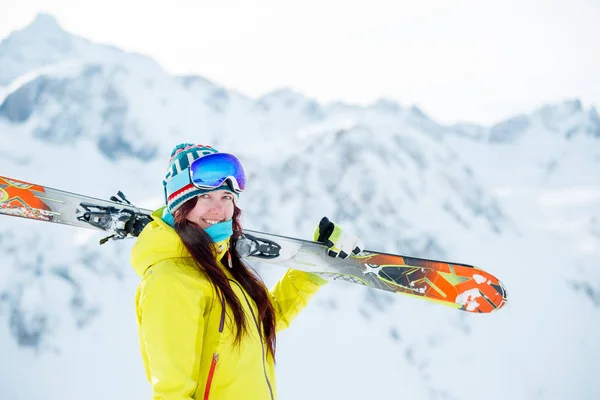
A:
[(211, 208)]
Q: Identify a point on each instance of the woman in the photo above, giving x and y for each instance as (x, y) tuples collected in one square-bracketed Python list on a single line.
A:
[(207, 325)]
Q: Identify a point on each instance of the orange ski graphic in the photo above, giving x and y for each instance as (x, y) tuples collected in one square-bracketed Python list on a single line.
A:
[(18, 198), (458, 285)]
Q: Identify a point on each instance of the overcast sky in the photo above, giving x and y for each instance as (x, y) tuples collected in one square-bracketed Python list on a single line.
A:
[(459, 60)]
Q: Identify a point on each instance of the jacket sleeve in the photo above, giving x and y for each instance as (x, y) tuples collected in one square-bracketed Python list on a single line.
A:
[(292, 293), (171, 327)]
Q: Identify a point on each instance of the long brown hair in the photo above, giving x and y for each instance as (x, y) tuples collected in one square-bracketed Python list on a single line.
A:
[(198, 243)]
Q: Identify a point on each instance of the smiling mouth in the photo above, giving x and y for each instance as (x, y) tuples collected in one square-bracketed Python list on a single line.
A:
[(212, 221)]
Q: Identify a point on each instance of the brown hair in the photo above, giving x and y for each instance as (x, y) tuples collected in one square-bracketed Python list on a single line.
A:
[(198, 243)]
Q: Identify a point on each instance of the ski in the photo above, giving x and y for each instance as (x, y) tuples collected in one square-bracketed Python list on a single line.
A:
[(461, 286)]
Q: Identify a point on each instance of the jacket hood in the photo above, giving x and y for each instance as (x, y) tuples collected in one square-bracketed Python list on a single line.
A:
[(159, 241)]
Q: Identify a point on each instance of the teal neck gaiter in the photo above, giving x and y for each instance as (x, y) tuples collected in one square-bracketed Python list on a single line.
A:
[(217, 232), (221, 231)]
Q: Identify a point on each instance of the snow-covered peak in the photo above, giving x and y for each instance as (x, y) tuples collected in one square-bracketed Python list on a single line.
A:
[(43, 25), (217, 97), (290, 105), (284, 98), (569, 118), (40, 43), (43, 44), (509, 130), (564, 108), (564, 120), (387, 105), (196, 81)]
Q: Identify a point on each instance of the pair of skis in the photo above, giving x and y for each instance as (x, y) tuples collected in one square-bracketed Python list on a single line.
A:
[(461, 286)]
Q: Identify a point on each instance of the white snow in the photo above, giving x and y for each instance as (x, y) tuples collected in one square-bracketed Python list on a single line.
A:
[(520, 200), (469, 298)]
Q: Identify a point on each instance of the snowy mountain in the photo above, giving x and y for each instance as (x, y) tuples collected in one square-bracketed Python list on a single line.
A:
[(520, 199)]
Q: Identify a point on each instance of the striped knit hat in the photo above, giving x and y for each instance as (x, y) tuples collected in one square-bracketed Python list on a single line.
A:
[(177, 185)]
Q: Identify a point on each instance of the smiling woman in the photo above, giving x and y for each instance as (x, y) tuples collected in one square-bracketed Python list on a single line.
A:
[(207, 324), (211, 208)]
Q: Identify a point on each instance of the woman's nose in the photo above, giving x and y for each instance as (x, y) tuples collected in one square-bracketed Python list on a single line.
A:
[(216, 204)]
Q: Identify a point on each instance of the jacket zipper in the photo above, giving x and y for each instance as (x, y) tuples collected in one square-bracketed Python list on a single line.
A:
[(260, 336), (211, 374), (215, 359)]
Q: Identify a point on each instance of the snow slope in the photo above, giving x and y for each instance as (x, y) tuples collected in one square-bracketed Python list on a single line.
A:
[(519, 198)]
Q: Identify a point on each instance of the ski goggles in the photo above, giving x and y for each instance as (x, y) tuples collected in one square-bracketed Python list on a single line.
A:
[(213, 170), (208, 173)]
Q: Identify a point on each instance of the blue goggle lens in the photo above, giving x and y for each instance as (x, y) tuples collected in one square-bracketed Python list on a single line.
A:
[(211, 171)]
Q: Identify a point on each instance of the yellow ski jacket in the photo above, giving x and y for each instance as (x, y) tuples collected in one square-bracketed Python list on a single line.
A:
[(185, 333)]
